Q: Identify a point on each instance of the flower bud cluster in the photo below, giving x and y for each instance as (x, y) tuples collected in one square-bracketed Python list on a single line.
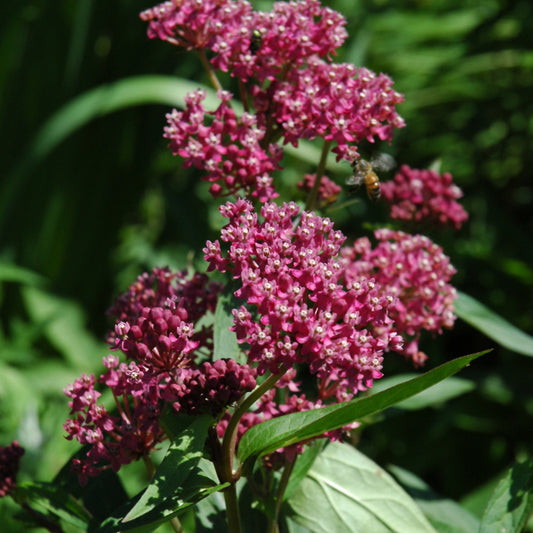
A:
[(155, 334), (424, 196), (417, 273), (212, 387), (9, 466), (228, 148), (297, 310)]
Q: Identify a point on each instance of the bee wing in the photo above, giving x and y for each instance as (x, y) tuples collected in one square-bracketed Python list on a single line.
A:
[(355, 180), (383, 162)]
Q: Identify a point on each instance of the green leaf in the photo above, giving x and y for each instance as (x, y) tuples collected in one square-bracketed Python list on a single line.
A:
[(225, 341), (303, 463), (285, 430), (107, 482), (511, 502), (53, 502), (438, 394), (492, 325), (182, 458), (17, 274), (445, 515), (181, 480), (346, 491), (64, 325)]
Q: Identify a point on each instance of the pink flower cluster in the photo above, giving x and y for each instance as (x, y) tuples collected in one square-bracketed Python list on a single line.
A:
[(9, 466), (295, 89), (228, 149), (153, 331), (328, 190), (424, 196), (194, 23), (297, 310), (417, 273)]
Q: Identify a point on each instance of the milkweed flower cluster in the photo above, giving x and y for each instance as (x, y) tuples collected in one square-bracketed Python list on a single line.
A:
[(288, 76), (417, 273), (328, 190), (228, 148), (9, 466), (153, 331), (297, 309), (424, 196)]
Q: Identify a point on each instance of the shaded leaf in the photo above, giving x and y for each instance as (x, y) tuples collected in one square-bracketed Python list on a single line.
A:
[(511, 502), (346, 491), (180, 481), (493, 325), (445, 515), (53, 502)]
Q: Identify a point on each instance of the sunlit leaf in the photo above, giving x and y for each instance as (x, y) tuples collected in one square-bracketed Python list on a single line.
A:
[(285, 430), (346, 491)]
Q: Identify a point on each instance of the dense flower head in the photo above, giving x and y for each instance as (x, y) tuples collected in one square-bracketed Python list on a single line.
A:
[(424, 196), (297, 310), (328, 190), (287, 36), (417, 272), (336, 101), (194, 24), (9, 466), (228, 148)]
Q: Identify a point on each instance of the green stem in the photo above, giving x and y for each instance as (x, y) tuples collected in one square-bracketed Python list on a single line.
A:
[(210, 72), (311, 199), (282, 487)]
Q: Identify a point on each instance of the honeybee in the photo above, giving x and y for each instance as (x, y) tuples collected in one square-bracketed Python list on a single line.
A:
[(363, 172), (255, 41)]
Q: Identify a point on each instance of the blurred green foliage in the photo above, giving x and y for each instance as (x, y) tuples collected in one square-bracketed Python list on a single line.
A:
[(82, 221)]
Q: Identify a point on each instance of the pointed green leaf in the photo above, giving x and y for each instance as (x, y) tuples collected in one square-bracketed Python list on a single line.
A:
[(346, 491), (285, 430), (182, 458), (440, 392), (53, 502), (445, 515), (511, 502), (493, 325)]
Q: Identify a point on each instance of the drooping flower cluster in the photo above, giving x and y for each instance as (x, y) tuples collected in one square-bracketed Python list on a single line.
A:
[(417, 273), (328, 190), (154, 332), (9, 466), (424, 196), (297, 310), (228, 148)]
